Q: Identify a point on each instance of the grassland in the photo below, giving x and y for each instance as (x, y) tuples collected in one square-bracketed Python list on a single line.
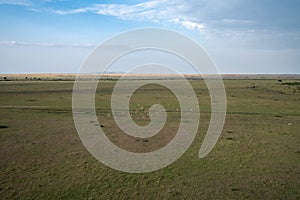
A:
[(257, 156)]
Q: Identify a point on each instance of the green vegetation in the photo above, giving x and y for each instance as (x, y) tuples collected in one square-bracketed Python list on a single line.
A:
[(257, 156)]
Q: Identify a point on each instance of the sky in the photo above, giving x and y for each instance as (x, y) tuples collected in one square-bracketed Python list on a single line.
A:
[(240, 36)]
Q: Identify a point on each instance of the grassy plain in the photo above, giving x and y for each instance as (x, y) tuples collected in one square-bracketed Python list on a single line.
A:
[(257, 156)]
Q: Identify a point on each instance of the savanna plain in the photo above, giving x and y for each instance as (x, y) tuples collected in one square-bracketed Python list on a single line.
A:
[(256, 157)]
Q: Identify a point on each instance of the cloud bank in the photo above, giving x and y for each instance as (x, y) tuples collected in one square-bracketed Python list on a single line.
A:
[(240, 22)]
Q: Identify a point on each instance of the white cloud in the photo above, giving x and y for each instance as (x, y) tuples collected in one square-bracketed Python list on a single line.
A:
[(44, 44), (154, 11), (53, 1), (16, 2), (189, 24)]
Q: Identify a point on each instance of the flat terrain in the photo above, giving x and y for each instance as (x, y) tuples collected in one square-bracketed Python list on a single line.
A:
[(256, 157)]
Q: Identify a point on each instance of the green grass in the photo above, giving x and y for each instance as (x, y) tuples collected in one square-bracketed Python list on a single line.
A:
[(257, 156)]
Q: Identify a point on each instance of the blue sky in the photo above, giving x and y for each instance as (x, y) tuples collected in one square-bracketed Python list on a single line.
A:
[(42, 36)]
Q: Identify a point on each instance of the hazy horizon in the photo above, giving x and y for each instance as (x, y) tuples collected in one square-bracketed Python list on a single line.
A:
[(122, 73)]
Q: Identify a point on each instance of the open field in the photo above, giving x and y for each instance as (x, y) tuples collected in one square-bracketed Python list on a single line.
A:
[(257, 156)]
